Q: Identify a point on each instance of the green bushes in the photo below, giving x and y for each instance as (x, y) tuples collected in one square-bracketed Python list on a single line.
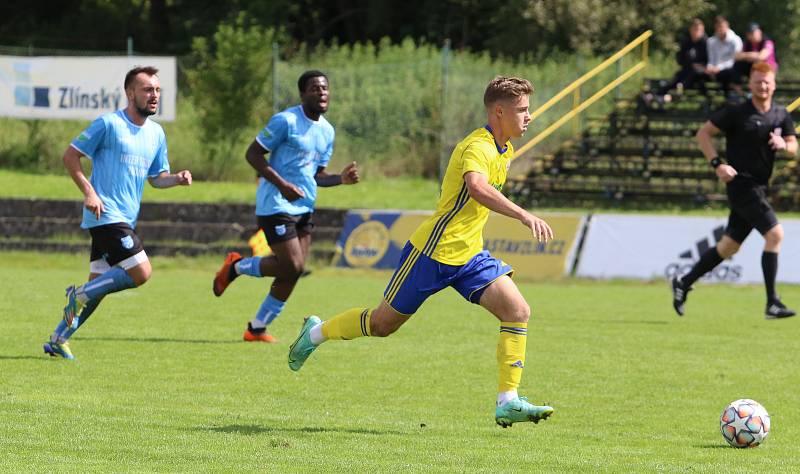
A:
[(227, 87), (389, 104), (35, 145)]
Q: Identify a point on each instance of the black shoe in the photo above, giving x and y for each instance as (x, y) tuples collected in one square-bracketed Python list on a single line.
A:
[(777, 310), (679, 294)]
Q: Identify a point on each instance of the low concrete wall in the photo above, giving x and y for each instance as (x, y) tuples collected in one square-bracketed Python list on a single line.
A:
[(166, 228)]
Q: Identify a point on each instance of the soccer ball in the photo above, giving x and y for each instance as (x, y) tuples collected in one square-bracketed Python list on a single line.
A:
[(744, 423)]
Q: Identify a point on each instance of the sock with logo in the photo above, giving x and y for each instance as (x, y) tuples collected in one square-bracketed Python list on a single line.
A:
[(707, 262), (248, 266), (769, 265), (511, 355), (113, 280), (348, 325), (270, 308), (87, 311), (60, 328)]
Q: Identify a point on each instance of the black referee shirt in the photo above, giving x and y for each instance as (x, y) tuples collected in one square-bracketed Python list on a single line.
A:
[(747, 137)]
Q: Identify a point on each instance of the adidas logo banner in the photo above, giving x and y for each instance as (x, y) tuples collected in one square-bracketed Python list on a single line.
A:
[(660, 247)]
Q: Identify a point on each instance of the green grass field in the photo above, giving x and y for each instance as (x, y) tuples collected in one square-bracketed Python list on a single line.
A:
[(163, 384)]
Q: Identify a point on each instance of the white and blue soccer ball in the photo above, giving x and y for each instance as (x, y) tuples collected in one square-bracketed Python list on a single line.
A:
[(744, 423)]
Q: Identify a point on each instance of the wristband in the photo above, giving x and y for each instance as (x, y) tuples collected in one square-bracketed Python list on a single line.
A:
[(715, 162)]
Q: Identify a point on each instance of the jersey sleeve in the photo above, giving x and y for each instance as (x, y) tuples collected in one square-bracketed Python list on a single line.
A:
[(160, 164), (326, 157), (274, 133), (475, 159), (91, 138), (722, 119), (787, 126)]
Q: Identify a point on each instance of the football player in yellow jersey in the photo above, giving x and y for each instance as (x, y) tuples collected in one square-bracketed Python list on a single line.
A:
[(447, 250)]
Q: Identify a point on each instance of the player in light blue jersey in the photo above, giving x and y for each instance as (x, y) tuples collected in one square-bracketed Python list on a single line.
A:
[(126, 149), (300, 143)]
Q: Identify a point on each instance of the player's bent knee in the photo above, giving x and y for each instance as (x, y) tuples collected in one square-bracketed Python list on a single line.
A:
[(385, 321), (728, 249), (525, 315), (140, 275), (291, 270), (522, 313), (774, 236)]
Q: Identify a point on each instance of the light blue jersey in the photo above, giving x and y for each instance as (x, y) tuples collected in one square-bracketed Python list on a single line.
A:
[(123, 155), (297, 146)]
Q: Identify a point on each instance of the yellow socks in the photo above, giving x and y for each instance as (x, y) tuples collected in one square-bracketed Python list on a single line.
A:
[(351, 324), (511, 355)]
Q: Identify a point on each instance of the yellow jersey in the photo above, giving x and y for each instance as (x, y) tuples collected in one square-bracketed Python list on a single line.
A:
[(454, 233)]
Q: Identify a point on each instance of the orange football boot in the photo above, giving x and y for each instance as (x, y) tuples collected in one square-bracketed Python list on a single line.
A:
[(251, 335), (223, 279)]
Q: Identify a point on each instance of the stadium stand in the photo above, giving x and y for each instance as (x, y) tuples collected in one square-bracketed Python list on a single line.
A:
[(644, 154), (165, 228)]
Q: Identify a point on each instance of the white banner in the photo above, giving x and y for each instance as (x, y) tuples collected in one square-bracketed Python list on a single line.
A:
[(73, 87), (656, 247)]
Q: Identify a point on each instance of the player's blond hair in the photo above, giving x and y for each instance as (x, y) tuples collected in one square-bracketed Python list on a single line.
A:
[(503, 88)]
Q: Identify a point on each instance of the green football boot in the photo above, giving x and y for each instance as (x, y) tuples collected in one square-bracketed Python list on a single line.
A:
[(302, 347), (519, 409), (55, 349)]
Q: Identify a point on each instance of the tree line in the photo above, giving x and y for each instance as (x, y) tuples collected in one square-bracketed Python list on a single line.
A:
[(510, 28)]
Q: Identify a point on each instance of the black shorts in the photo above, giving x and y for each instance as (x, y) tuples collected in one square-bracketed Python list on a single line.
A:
[(282, 227), (114, 243), (750, 210)]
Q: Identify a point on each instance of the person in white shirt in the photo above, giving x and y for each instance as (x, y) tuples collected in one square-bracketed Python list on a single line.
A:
[(722, 50)]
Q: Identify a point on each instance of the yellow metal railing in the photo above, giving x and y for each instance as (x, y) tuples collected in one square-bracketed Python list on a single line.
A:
[(574, 89), (794, 105)]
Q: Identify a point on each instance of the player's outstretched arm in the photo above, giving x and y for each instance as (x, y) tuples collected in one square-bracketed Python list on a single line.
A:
[(705, 139), (480, 190), (791, 144), (167, 180), (72, 161), (349, 175), (255, 157)]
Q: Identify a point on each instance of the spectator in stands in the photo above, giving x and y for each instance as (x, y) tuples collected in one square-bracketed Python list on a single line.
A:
[(722, 50), (757, 48), (692, 58)]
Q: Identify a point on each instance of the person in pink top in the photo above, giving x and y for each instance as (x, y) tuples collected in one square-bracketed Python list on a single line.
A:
[(757, 48)]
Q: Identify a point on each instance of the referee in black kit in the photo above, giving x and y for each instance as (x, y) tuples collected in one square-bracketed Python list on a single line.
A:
[(754, 131)]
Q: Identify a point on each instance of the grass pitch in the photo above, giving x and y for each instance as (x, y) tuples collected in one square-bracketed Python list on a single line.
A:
[(163, 382)]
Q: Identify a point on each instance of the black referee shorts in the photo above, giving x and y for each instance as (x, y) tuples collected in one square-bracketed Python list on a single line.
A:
[(750, 210), (282, 227)]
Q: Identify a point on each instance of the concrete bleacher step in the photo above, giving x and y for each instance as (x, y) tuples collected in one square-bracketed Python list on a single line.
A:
[(165, 228), (325, 253), (543, 189), (154, 211), (200, 232), (645, 150)]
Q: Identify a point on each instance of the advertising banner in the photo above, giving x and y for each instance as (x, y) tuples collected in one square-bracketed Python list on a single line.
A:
[(375, 239), (76, 87), (660, 247)]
